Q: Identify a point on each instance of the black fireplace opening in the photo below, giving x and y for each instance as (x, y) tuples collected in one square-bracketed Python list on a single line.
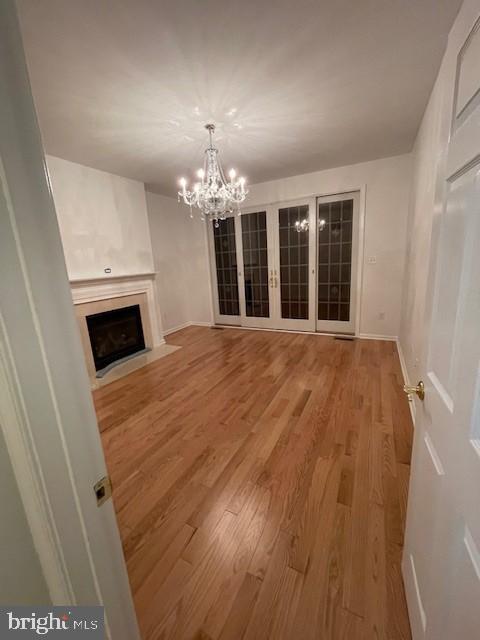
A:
[(115, 335)]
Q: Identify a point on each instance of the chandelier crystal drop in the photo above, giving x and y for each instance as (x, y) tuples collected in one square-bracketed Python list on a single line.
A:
[(214, 195)]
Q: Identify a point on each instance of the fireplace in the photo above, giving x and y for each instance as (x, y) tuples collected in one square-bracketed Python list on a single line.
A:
[(115, 335)]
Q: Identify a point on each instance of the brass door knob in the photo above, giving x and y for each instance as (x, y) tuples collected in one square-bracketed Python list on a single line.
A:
[(419, 390)]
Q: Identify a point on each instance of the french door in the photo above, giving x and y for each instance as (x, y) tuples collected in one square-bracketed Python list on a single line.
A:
[(241, 262), (337, 259), (294, 264), (256, 272), (265, 263), (225, 270)]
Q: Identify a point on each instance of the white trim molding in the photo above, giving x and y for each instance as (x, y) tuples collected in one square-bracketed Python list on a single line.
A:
[(375, 336), (190, 323), (106, 278), (107, 288)]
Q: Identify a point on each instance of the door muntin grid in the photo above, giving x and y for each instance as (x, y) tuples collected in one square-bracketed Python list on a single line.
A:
[(334, 268), (255, 264), (294, 256), (226, 267)]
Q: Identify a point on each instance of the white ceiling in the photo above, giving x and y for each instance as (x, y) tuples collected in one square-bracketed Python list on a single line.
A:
[(293, 85)]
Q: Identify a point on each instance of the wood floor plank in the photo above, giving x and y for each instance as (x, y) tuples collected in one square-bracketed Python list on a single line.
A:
[(238, 617), (260, 484), (274, 612), (334, 619)]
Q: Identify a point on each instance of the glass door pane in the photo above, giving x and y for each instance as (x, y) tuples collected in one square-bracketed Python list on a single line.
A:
[(225, 251), (336, 223), (255, 264), (294, 279), (294, 253)]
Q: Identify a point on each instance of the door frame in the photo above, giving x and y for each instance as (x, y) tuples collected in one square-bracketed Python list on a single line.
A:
[(340, 326), (360, 188), (46, 407)]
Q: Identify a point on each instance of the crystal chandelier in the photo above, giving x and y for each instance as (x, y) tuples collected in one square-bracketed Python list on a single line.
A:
[(213, 194)]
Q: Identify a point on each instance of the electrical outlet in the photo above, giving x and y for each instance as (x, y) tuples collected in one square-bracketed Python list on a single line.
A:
[(381, 315), (372, 259)]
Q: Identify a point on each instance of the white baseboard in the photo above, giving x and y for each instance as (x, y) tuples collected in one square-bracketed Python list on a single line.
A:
[(177, 328), (377, 336), (406, 380), (190, 323), (296, 331), (365, 336)]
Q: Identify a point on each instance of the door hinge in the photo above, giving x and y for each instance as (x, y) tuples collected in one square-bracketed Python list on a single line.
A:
[(103, 490)]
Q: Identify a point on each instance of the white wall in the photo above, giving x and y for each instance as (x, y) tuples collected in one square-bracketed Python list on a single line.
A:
[(21, 577), (103, 221), (426, 153), (181, 262), (387, 183)]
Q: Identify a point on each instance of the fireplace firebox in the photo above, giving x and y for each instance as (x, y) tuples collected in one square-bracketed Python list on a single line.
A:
[(115, 335)]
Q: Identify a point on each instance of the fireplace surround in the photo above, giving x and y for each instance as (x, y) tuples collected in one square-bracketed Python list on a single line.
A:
[(97, 296)]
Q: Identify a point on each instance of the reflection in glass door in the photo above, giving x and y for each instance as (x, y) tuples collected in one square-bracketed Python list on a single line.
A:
[(227, 304), (337, 223)]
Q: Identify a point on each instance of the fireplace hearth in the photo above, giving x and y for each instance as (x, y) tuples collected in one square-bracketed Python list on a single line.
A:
[(115, 335)]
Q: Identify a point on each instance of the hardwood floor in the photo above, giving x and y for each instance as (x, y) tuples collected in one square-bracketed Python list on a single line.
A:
[(260, 482)]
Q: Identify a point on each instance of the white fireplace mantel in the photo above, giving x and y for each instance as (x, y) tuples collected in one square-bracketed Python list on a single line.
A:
[(104, 288)]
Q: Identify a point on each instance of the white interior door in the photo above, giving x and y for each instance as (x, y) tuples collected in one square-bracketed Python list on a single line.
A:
[(337, 223), (293, 225), (441, 563)]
